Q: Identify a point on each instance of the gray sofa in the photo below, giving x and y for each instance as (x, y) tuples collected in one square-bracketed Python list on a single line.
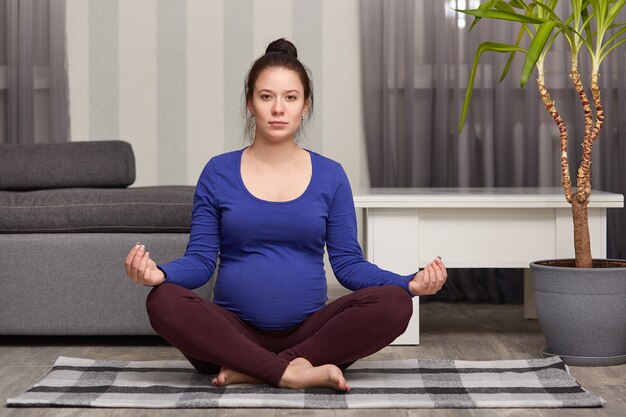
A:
[(67, 221)]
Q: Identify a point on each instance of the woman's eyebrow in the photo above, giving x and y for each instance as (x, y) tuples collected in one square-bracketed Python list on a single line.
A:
[(266, 90)]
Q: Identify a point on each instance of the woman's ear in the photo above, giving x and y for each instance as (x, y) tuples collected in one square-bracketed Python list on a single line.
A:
[(305, 110)]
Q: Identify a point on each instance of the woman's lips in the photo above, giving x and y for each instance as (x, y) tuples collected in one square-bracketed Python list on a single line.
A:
[(278, 124)]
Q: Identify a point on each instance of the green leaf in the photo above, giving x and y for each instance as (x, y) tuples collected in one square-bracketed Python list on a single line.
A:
[(504, 7), (614, 38), (485, 5), (520, 35), (535, 49), (577, 6), (548, 10), (608, 51), (482, 48), (518, 4), (584, 13), (553, 38), (500, 15), (615, 9), (616, 25), (600, 9), (569, 33)]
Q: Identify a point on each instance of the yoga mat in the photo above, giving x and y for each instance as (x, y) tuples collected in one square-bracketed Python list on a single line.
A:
[(416, 383)]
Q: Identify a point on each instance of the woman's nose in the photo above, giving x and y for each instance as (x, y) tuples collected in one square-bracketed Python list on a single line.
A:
[(278, 107)]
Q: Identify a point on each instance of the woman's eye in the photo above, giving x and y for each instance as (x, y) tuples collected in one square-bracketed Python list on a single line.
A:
[(266, 97), (291, 98)]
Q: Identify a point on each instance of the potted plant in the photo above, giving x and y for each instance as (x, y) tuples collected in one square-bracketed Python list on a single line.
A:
[(581, 302)]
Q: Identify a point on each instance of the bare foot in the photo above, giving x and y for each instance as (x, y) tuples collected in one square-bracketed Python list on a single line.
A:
[(301, 374), (228, 377)]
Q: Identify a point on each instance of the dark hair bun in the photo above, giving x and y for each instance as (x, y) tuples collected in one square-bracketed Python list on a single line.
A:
[(282, 46)]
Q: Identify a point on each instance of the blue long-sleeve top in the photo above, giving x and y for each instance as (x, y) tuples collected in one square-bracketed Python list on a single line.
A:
[(271, 269)]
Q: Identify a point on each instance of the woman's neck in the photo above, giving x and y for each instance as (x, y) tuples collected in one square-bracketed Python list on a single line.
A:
[(270, 152)]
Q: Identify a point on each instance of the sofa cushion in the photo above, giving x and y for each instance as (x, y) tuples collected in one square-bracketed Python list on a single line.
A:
[(126, 210), (37, 166)]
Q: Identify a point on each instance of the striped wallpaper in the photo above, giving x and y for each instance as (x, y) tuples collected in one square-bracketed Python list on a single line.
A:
[(167, 76)]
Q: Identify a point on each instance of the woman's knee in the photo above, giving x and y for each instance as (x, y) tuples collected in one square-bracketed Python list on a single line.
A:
[(387, 305), (160, 299), (154, 298), (398, 304), (389, 310)]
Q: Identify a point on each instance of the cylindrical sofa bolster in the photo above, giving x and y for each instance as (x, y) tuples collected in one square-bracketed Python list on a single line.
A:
[(38, 166)]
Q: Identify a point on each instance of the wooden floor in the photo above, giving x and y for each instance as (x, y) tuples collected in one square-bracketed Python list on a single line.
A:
[(457, 331)]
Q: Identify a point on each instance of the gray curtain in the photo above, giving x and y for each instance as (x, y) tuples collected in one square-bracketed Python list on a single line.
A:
[(34, 104), (416, 60)]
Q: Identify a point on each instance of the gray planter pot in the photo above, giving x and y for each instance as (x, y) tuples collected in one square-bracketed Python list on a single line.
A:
[(582, 312)]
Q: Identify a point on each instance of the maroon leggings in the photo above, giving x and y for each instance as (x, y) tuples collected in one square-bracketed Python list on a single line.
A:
[(350, 328)]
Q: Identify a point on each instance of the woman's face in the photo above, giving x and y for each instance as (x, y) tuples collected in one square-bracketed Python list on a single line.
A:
[(277, 104)]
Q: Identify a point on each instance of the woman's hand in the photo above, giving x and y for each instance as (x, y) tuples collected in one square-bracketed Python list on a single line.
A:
[(430, 279), (141, 269)]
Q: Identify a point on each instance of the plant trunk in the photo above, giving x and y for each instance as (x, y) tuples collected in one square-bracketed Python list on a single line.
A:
[(582, 242), (548, 103), (579, 200)]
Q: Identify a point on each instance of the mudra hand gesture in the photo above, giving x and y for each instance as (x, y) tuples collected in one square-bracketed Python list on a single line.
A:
[(141, 269), (430, 279)]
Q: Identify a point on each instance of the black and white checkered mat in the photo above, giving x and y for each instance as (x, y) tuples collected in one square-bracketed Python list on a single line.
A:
[(423, 383)]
